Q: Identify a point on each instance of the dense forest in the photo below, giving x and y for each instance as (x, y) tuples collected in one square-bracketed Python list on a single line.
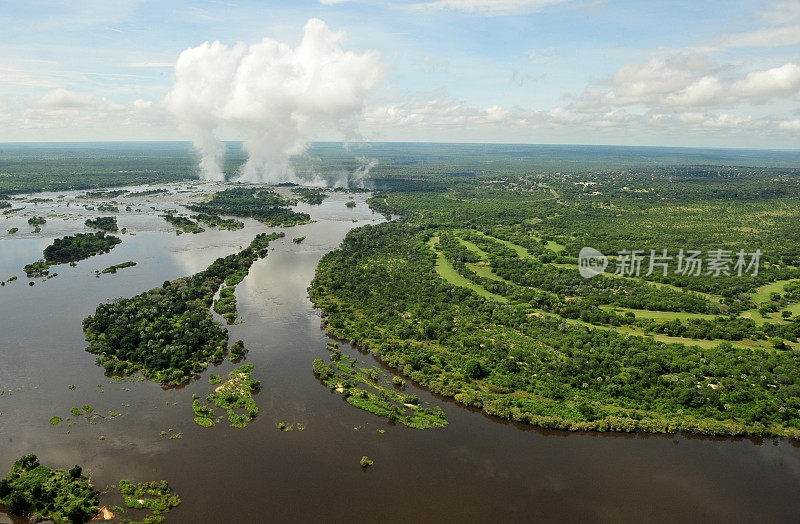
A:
[(79, 246), (103, 224), (475, 293), (261, 204), (33, 489), (310, 195), (168, 333)]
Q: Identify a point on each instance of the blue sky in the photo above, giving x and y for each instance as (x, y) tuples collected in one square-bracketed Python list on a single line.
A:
[(715, 73)]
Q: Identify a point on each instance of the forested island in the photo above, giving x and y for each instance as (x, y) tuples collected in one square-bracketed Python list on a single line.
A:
[(183, 224), (310, 195), (108, 224), (261, 204), (115, 267), (168, 333), (33, 489), (79, 246), (218, 222)]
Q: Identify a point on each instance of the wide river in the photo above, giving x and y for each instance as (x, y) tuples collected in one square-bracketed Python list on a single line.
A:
[(478, 468)]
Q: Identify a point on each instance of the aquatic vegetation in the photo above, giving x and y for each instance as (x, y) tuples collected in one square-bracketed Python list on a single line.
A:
[(13, 230), (183, 224), (168, 333), (234, 394), (32, 489), (350, 203), (366, 462), (103, 223), (366, 389), (55, 420), (298, 240), (214, 379), (157, 497), (115, 267)]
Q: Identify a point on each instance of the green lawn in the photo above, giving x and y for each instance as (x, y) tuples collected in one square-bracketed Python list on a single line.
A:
[(449, 273), (764, 292), (660, 315)]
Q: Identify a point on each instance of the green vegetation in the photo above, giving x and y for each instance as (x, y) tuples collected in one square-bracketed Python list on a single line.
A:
[(78, 247), (183, 224), (238, 350), (235, 394), (310, 195), (366, 462), (115, 267), (103, 224), (218, 222), (475, 293), (226, 304), (37, 269), (261, 204), (369, 390), (32, 489), (55, 420), (156, 497), (298, 240), (13, 230), (350, 203), (37, 222), (105, 207), (168, 333)]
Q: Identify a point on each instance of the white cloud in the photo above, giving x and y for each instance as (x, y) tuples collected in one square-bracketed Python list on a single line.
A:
[(333, 2), (496, 7), (679, 84), (64, 99), (783, 80), (707, 91)]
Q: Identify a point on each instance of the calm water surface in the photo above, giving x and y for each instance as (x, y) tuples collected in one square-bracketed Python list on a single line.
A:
[(478, 468)]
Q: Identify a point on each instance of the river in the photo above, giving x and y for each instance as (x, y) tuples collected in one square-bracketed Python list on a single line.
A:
[(478, 468)]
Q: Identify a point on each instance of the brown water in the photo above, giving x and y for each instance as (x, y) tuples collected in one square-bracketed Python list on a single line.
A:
[(478, 468)]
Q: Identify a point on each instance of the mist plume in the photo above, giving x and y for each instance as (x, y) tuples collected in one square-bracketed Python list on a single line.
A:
[(273, 97)]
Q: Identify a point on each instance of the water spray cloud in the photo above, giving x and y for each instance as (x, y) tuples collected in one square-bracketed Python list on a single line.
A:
[(275, 97)]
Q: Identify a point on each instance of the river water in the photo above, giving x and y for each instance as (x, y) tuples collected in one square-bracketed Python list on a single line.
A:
[(478, 468)]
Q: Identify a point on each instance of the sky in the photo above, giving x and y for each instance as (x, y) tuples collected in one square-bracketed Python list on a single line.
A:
[(664, 73)]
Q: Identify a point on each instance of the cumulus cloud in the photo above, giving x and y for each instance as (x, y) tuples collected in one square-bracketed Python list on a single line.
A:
[(275, 97), (682, 84), (783, 80)]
